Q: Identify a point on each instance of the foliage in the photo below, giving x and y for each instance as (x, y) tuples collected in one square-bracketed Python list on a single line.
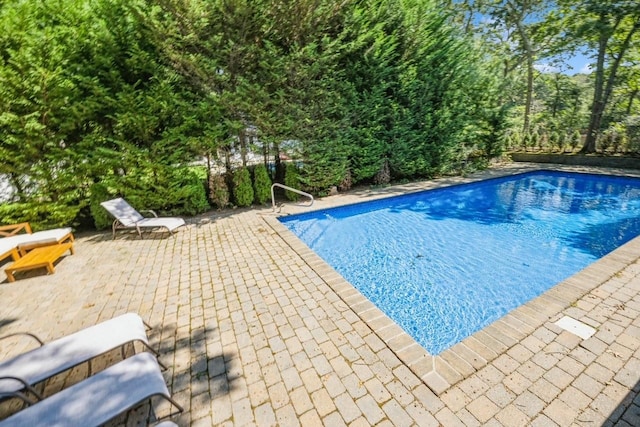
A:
[(41, 216), (292, 179), (261, 184), (611, 29), (128, 94), (99, 193), (186, 193), (166, 190), (218, 191), (84, 95), (242, 189), (632, 126), (384, 174), (576, 139)]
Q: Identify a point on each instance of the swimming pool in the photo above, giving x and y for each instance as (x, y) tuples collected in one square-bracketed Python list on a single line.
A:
[(445, 263)]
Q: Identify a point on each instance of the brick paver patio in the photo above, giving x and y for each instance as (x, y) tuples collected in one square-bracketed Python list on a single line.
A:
[(254, 333)]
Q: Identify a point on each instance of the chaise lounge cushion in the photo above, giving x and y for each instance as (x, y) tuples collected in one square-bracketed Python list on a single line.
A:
[(9, 245), (69, 351), (127, 217), (99, 398)]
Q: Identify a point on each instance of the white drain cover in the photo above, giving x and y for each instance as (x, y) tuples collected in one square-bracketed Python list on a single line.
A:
[(575, 327)]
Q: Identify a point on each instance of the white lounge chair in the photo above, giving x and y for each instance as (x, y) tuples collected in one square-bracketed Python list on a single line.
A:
[(127, 217), (47, 360), (15, 244), (99, 398)]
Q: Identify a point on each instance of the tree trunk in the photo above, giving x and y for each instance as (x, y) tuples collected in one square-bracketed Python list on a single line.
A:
[(602, 93), (529, 100), (597, 106), (242, 139), (530, 70)]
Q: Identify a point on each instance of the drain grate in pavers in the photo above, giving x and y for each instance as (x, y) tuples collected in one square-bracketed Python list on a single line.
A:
[(576, 327)]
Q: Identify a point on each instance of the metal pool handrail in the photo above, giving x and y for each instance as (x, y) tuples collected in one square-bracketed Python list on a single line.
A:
[(302, 193)]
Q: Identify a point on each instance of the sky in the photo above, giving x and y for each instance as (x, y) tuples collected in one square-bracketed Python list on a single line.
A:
[(580, 64), (576, 64)]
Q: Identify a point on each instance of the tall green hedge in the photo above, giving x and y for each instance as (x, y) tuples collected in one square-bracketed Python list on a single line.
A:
[(219, 191), (292, 179), (242, 189), (117, 93), (98, 194), (168, 191), (41, 215), (261, 184)]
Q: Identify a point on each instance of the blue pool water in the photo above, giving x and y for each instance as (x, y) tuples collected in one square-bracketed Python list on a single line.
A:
[(445, 263)]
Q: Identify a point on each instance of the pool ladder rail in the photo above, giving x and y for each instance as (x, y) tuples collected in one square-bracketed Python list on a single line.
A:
[(302, 193)]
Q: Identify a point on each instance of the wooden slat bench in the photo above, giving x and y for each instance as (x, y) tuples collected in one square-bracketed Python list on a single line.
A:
[(43, 256)]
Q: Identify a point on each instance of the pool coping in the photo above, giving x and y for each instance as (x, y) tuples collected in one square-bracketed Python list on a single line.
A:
[(478, 350)]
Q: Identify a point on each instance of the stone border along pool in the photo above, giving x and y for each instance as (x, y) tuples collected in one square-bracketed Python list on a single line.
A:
[(453, 365)]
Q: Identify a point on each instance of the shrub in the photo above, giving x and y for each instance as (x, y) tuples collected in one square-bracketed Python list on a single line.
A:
[(508, 141), (218, 191), (261, 184), (517, 140), (526, 141), (171, 191), (576, 140), (383, 176), (554, 141), (98, 193), (187, 193), (535, 140), (632, 134), (242, 189), (291, 179), (606, 139), (347, 181), (40, 215), (562, 141)]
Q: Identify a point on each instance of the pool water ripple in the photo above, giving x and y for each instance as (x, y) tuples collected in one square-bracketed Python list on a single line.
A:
[(445, 263)]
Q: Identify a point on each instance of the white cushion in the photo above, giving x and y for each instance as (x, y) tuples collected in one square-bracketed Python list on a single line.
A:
[(71, 350), (169, 223), (46, 236)]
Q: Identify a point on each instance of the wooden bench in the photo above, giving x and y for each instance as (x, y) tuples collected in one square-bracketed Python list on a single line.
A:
[(43, 256)]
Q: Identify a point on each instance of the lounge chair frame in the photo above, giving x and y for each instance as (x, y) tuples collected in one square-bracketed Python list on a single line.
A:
[(127, 217), (99, 398), (13, 229), (16, 244), (55, 357)]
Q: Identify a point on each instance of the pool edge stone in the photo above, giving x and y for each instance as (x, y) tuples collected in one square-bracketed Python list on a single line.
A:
[(435, 382), (436, 372)]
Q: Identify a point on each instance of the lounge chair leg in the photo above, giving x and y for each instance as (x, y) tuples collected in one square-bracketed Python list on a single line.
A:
[(174, 403), (155, 353), (162, 365)]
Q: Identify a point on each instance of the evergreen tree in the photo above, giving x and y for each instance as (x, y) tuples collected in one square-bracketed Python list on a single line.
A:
[(242, 189), (261, 184)]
